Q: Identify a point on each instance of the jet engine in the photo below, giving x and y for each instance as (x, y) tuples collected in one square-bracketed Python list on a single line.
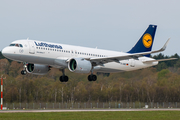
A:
[(79, 65), (37, 69)]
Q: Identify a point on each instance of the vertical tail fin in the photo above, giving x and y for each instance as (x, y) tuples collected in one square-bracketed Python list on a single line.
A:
[(145, 43)]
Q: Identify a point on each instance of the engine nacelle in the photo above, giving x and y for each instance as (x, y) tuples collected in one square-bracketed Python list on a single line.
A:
[(79, 65), (37, 69)]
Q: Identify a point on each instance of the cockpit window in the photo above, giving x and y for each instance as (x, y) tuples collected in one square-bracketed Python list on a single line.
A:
[(12, 45), (17, 45), (20, 45)]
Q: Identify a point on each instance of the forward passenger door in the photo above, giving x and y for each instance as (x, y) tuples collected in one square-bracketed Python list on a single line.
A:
[(31, 47)]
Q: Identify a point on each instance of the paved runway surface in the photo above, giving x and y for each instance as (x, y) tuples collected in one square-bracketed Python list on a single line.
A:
[(86, 110)]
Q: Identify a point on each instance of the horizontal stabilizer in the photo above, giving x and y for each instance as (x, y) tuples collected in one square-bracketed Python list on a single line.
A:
[(150, 61)]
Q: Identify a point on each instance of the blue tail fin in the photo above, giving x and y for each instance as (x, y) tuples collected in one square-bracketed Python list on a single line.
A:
[(145, 43)]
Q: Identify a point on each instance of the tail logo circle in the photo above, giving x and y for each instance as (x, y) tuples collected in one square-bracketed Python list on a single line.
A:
[(147, 40)]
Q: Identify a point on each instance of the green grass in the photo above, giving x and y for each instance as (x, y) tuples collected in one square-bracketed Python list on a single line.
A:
[(122, 115)]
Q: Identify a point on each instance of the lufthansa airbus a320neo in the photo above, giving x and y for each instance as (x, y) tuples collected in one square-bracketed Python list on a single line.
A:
[(38, 57)]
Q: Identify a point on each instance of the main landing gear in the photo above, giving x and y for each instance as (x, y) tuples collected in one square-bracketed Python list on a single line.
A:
[(23, 72), (63, 78), (92, 77)]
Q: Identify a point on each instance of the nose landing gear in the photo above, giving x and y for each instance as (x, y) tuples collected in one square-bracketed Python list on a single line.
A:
[(23, 72)]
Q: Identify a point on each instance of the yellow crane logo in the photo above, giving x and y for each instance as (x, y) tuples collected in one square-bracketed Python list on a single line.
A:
[(147, 40)]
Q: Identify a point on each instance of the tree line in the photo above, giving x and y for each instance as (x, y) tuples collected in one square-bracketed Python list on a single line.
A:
[(160, 83)]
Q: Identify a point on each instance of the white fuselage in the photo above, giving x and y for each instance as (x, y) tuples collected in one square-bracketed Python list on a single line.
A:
[(46, 53)]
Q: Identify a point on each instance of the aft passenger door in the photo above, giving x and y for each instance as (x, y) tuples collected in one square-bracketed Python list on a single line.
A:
[(132, 62), (31, 47)]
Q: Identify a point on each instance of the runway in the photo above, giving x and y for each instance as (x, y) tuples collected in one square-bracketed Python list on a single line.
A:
[(86, 110)]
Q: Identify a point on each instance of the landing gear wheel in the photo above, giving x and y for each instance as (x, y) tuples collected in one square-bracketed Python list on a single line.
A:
[(23, 72), (89, 78), (66, 78), (63, 78), (92, 77)]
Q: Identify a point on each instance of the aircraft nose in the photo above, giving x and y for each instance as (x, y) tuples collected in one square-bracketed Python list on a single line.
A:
[(5, 51)]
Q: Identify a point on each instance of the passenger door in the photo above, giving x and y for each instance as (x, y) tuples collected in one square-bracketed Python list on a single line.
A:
[(132, 62), (31, 47)]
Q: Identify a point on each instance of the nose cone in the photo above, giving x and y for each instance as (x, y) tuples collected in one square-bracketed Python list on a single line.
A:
[(6, 52)]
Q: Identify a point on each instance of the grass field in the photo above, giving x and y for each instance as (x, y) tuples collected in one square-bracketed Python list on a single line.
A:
[(122, 115)]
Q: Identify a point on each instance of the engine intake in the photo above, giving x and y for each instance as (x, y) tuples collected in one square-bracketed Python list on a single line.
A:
[(37, 69), (79, 65)]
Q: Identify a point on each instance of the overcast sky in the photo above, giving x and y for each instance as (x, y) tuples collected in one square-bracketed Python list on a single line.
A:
[(106, 24)]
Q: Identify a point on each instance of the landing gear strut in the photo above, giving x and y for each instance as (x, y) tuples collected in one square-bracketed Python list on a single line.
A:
[(63, 78), (23, 72)]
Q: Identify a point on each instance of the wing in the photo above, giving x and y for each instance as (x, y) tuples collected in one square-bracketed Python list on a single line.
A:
[(101, 61)]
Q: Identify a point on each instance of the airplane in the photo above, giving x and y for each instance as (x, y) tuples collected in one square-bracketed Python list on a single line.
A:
[(39, 57)]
